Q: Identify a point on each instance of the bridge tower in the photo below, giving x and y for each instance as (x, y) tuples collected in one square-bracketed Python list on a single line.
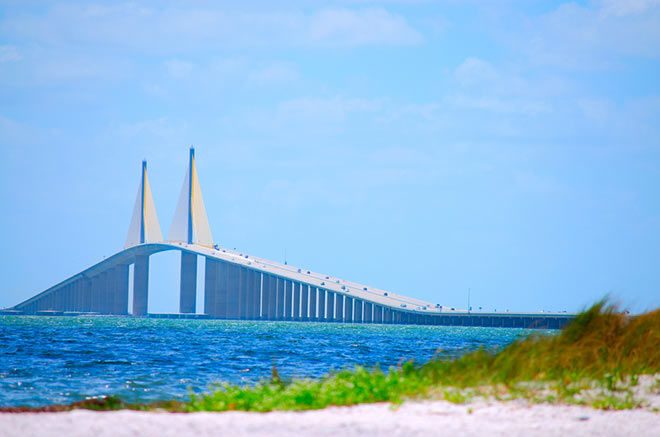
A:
[(191, 226), (144, 229)]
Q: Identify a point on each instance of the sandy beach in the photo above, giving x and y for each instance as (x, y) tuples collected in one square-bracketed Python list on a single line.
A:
[(487, 419)]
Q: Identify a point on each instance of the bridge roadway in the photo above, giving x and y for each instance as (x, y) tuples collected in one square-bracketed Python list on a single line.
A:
[(241, 286)]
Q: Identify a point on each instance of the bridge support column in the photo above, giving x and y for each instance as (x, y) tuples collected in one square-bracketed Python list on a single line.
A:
[(120, 275), (86, 295), (233, 291), (265, 296), (270, 286), (210, 285), (221, 290), (246, 294), (312, 303), (279, 314), (368, 312), (77, 295), (322, 315), (348, 309), (98, 293), (378, 313), (296, 300), (357, 316), (387, 315), (256, 295), (330, 306), (244, 298), (188, 293), (66, 295), (107, 299), (140, 285), (339, 307), (304, 302), (288, 303)]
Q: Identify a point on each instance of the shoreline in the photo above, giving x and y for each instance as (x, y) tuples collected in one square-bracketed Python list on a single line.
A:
[(412, 418)]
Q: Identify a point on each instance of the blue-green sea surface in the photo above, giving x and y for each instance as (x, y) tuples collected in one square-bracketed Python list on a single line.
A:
[(46, 360)]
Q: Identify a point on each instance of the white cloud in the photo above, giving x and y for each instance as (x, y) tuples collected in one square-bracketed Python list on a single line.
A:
[(499, 104), (586, 37), (9, 54), (163, 127), (330, 109), (599, 111), (176, 29), (178, 68), (273, 75), (622, 8), (475, 70), (485, 87), (369, 26)]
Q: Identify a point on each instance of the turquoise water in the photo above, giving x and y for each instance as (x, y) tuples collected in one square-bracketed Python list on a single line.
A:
[(45, 360)]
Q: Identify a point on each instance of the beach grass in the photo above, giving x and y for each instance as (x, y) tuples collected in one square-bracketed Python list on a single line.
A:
[(596, 360)]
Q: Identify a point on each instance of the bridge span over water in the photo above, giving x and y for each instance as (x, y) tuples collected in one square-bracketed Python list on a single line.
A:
[(237, 285)]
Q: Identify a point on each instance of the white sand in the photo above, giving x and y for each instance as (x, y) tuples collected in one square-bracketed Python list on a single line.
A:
[(482, 418)]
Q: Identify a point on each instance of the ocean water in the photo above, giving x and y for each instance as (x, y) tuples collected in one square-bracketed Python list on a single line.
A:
[(46, 360)]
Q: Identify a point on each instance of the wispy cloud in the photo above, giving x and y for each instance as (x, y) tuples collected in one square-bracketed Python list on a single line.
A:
[(9, 54), (178, 68), (166, 28), (276, 74), (588, 37), (622, 8), (361, 27)]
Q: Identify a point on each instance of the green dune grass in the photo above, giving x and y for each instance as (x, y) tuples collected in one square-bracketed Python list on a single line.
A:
[(596, 360)]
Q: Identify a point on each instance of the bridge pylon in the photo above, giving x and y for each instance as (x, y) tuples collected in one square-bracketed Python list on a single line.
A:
[(144, 227), (190, 225)]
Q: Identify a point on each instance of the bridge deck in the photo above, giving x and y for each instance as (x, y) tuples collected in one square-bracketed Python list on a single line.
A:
[(358, 302)]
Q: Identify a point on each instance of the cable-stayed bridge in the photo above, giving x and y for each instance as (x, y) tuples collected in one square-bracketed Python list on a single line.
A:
[(237, 285)]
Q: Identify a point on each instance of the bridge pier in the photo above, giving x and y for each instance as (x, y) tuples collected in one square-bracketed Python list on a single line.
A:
[(312, 303), (86, 295), (222, 290), (233, 290), (379, 312), (243, 297), (330, 306), (97, 293), (120, 275), (339, 307), (140, 285), (387, 315), (288, 303), (256, 295), (322, 305), (348, 309), (297, 297), (368, 312), (210, 285), (270, 296), (107, 301), (279, 314), (188, 286), (304, 302), (358, 311)]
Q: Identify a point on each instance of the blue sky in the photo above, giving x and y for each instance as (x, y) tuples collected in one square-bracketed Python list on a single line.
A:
[(426, 147)]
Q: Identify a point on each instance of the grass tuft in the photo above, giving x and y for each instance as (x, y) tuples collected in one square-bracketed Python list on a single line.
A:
[(594, 360)]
